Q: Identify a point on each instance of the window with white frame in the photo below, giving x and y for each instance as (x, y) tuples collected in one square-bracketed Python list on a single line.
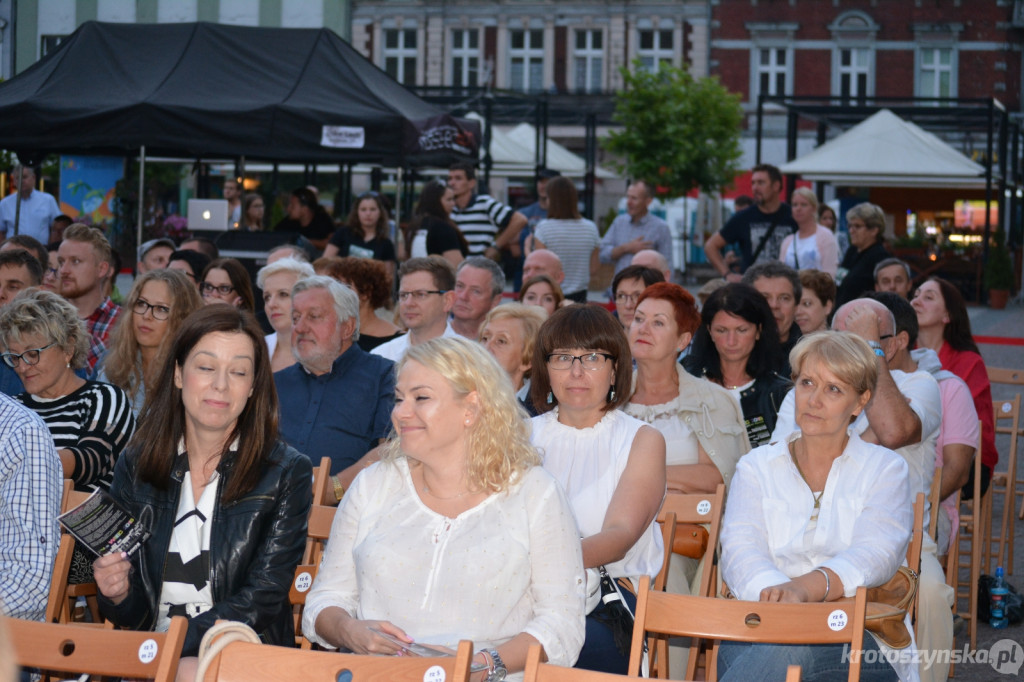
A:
[(655, 47), (936, 72), (588, 61), (853, 68), (400, 54), (465, 54), (526, 59), (772, 69)]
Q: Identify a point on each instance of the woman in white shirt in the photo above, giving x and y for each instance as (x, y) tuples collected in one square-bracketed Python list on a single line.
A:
[(276, 280), (813, 246), (458, 533), (573, 238), (611, 465), (815, 516)]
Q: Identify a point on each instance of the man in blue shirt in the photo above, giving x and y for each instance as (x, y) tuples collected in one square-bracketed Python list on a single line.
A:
[(636, 230), (336, 401)]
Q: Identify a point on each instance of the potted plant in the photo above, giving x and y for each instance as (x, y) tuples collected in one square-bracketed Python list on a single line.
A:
[(998, 272)]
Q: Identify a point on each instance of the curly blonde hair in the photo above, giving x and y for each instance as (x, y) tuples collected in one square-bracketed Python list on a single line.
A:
[(499, 445), (36, 311)]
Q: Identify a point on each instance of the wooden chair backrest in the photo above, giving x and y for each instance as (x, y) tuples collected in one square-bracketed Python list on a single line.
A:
[(668, 537), (248, 662), (700, 509), (680, 615), (72, 498), (301, 582), (933, 501), (917, 537), (57, 610), (538, 671), (1014, 377), (1008, 410), (98, 651), (323, 490), (320, 519)]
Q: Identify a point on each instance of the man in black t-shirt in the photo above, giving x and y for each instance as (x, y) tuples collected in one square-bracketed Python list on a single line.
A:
[(759, 230), (307, 217)]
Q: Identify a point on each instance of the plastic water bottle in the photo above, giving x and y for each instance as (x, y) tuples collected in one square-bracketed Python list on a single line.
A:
[(997, 603)]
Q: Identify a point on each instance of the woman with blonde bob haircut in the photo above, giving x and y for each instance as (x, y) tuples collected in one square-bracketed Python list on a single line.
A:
[(817, 514), (812, 246), (457, 533), (509, 333)]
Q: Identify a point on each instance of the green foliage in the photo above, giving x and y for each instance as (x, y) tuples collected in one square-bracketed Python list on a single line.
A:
[(679, 132), (999, 269)]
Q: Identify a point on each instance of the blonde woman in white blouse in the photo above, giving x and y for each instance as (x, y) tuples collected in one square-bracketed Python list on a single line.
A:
[(458, 533)]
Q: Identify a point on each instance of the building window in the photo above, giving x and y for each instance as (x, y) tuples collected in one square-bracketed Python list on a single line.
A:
[(655, 48), (465, 53), (588, 61), (526, 60), (936, 72), (48, 44), (853, 68), (400, 54), (772, 68)]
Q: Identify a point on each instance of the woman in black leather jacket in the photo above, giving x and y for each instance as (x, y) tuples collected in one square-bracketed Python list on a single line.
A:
[(225, 500), (737, 346)]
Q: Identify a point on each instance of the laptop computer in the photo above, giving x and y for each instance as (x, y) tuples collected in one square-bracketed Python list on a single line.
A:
[(208, 214)]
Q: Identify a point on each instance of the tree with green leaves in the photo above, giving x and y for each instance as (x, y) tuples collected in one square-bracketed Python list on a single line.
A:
[(679, 132)]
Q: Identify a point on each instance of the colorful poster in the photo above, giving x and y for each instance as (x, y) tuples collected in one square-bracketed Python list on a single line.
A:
[(87, 187)]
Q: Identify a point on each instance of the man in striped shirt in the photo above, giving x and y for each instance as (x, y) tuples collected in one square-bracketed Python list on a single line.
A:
[(487, 224)]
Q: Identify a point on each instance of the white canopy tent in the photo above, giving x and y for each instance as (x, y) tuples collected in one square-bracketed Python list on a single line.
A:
[(886, 151)]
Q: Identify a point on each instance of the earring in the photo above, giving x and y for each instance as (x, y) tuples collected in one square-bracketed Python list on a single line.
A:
[(551, 398), (69, 365), (611, 394)]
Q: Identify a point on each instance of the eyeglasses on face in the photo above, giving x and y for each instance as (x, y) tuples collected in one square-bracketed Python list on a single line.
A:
[(160, 312), (222, 289), (591, 361), (30, 356), (623, 297), (420, 294)]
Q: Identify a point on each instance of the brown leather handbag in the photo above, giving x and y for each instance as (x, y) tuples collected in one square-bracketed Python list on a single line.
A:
[(691, 540), (887, 608)]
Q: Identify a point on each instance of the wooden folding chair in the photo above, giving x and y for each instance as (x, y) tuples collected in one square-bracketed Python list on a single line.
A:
[(247, 662), (914, 551), (1007, 421), (71, 499), (539, 671), (933, 504), (690, 509), (301, 582), (323, 490), (667, 521), (966, 555), (1011, 377), (97, 651), (793, 673), (320, 519), (679, 615)]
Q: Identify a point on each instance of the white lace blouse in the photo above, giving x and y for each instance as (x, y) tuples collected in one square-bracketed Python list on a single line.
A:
[(511, 564)]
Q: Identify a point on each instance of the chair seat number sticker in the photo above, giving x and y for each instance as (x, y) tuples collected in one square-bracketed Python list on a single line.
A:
[(435, 673), (837, 620), (704, 507), (303, 581), (148, 651)]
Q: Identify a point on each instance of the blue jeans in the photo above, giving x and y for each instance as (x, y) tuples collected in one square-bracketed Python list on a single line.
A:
[(599, 652), (743, 662)]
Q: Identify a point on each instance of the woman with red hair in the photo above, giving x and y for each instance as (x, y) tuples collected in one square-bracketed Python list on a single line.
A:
[(701, 422)]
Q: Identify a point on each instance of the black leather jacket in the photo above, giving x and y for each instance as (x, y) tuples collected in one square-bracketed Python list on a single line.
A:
[(255, 544)]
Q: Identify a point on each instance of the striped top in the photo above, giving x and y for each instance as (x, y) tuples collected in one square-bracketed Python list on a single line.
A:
[(481, 221), (573, 241), (94, 423)]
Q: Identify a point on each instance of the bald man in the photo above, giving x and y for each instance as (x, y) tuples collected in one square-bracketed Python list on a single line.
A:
[(649, 258), (543, 262)]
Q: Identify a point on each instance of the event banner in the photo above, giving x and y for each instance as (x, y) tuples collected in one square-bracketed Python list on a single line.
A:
[(87, 187)]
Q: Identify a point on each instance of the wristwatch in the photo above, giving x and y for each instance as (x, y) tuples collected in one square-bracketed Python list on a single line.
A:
[(339, 489), (876, 348), (499, 671)]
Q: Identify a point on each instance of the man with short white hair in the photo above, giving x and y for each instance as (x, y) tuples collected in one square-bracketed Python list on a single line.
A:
[(37, 212), (336, 401), (425, 298), (543, 262), (649, 258), (479, 284)]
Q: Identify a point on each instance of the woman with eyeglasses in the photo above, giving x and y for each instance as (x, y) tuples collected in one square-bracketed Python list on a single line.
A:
[(611, 465), (44, 342), (253, 208), (627, 286), (159, 301), (856, 274), (51, 270), (365, 233), (225, 280)]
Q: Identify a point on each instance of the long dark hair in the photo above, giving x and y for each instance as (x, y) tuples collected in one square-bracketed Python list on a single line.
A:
[(746, 302), (957, 332), (162, 420), (430, 208), (380, 230), (239, 277)]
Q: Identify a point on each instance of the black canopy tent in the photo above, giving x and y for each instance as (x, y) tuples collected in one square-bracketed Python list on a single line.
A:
[(202, 90)]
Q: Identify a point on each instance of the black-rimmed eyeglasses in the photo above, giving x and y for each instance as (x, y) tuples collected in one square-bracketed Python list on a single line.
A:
[(420, 294), (590, 361), (30, 356), (222, 289), (160, 312)]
